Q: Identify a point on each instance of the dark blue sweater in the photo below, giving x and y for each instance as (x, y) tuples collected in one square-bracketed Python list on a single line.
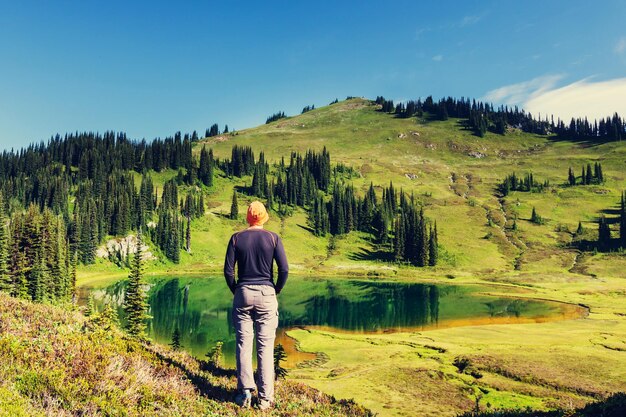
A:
[(254, 251)]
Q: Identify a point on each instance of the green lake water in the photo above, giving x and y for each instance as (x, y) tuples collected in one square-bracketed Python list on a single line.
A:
[(201, 309)]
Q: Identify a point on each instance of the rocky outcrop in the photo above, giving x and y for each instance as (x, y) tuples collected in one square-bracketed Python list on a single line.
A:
[(119, 248)]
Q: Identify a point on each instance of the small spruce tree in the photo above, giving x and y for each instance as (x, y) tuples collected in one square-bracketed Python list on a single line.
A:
[(571, 178), (108, 318), (535, 217), (279, 356), (234, 207), (176, 339), (215, 354), (135, 304), (580, 230), (91, 306)]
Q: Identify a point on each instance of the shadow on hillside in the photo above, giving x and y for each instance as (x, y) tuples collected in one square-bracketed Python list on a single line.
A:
[(610, 211), (214, 392), (308, 229), (582, 142), (365, 254), (586, 245), (209, 367)]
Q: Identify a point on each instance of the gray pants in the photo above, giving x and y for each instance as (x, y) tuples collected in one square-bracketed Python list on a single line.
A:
[(256, 305)]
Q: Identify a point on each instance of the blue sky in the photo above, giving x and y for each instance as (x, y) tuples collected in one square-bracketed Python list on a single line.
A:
[(153, 68)]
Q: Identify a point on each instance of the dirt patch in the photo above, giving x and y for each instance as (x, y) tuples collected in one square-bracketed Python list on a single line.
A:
[(579, 267), (464, 185), (358, 104), (366, 169), (218, 139)]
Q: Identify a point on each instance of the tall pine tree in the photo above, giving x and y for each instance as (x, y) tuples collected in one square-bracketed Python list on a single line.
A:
[(135, 303), (604, 235), (6, 283), (433, 251)]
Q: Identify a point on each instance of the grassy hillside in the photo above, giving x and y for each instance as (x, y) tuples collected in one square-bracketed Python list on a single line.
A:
[(455, 174), (57, 363), (456, 186)]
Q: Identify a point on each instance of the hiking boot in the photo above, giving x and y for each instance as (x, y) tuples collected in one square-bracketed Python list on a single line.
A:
[(244, 398), (264, 404)]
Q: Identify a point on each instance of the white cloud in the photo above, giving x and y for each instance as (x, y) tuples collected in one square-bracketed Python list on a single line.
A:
[(583, 98), (438, 58), (620, 46), (517, 94)]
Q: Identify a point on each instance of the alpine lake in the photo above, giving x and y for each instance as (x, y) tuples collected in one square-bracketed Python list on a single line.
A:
[(201, 309)]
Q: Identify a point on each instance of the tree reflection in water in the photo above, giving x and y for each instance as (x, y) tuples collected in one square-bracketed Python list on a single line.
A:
[(201, 308), (378, 307)]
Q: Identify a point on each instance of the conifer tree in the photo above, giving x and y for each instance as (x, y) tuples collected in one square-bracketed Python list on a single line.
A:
[(58, 274), (270, 196), (234, 207), (108, 318), (174, 243), (5, 277), (580, 230), (279, 356), (20, 281), (201, 205), (604, 235), (73, 266), (215, 354), (91, 306), (571, 179), (433, 251), (188, 235), (175, 344), (535, 217), (205, 170), (399, 239), (135, 303), (422, 242), (38, 277), (380, 225)]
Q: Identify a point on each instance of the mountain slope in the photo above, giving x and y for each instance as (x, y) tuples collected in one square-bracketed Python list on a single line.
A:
[(451, 171)]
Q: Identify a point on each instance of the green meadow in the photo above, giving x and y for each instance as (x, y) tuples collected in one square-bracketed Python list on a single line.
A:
[(454, 174)]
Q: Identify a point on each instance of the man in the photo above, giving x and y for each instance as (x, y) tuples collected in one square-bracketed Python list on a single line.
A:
[(254, 250)]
